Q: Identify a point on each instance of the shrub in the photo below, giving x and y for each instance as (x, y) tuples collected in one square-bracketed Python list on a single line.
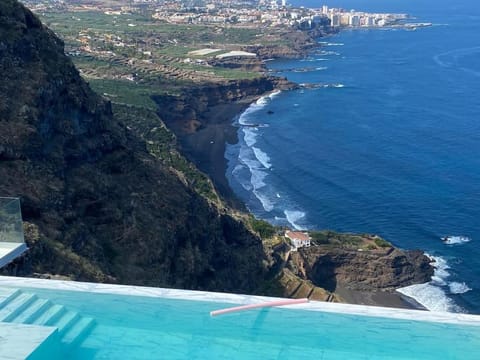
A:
[(263, 228), (381, 243)]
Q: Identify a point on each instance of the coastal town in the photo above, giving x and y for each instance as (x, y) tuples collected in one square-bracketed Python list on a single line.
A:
[(139, 40), (248, 13)]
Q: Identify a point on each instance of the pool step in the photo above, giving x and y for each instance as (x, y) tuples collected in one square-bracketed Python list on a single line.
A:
[(26, 308), (7, 294), (16, 305), (50, 315), (66, 321), (32, 312), (79, 332)]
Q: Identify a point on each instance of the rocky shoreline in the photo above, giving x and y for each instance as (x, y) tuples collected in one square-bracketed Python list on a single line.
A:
[(203, 131), (202, 119)]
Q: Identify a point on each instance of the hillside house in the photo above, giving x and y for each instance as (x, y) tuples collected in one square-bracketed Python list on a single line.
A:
[(298, 239)]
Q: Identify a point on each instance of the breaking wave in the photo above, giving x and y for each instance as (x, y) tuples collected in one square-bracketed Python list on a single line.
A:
[(293, 216), (262, 157), (433, 295), (458, 288), (453, 240), (254, 166)]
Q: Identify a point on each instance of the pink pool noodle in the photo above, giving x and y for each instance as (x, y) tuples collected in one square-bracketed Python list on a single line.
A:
[(260, 305)]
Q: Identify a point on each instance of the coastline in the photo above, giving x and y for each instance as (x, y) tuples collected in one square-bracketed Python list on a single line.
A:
[(210, 158), (202, 120), (205, 145)]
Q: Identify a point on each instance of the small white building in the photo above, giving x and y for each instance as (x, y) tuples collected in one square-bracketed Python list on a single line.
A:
[(298, 239)]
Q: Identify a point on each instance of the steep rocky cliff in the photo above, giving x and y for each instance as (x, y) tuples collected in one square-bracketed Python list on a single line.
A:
[(97, 205)]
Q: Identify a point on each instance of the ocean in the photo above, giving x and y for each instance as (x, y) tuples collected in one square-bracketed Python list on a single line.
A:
[(387, 143)]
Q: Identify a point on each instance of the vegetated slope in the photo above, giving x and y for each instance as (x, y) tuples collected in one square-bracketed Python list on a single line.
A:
[(97, 205)]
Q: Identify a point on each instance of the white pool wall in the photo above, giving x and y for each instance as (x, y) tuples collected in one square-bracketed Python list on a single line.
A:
[(228, 298)]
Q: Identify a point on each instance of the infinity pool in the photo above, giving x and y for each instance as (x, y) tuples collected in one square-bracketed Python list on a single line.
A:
[(174, 327)]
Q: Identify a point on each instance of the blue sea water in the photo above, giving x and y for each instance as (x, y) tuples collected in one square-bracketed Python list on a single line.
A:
[(390, 145)]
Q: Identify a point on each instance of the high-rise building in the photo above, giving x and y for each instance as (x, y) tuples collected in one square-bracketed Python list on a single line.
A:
[(369, 21), (334, 20), (324, 9), (354, 20)]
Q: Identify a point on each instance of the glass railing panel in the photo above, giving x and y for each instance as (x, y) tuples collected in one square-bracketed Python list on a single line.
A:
[(11, 225)]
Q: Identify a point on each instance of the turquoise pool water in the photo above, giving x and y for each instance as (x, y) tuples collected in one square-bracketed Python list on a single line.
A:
[(135, 327)]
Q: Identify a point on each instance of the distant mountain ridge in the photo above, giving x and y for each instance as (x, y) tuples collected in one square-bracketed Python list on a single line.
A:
[(97, 205)]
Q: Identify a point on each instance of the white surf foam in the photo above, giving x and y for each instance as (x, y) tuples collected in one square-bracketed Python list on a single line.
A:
[(257, 178), (262, 157), (321, 68), (267, 204), (335, 44), (324, 53), (256, 184), (432, 294), (458, 288), (333, 85), (262, 101), (274, 94), (441, 273), (293, 216), (452, 240), (244, 118), (250, 136), (237, 173), (252, 158)]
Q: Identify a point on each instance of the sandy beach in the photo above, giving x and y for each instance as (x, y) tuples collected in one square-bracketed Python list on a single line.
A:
[(378, 298), (206, 147)]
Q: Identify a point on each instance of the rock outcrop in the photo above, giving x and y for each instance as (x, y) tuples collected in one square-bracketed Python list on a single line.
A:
[(195, 101), (384, 270), (97, 205)]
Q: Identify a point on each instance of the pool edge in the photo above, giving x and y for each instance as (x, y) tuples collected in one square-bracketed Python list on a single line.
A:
[(194, 295)]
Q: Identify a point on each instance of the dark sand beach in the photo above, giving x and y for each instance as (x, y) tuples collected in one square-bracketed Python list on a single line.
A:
[(206, 146), (378, 298)]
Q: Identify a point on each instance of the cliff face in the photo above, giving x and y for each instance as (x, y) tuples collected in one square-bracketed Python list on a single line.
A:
[(384, 270), (202, 116), (97, 206), (194, 102)]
